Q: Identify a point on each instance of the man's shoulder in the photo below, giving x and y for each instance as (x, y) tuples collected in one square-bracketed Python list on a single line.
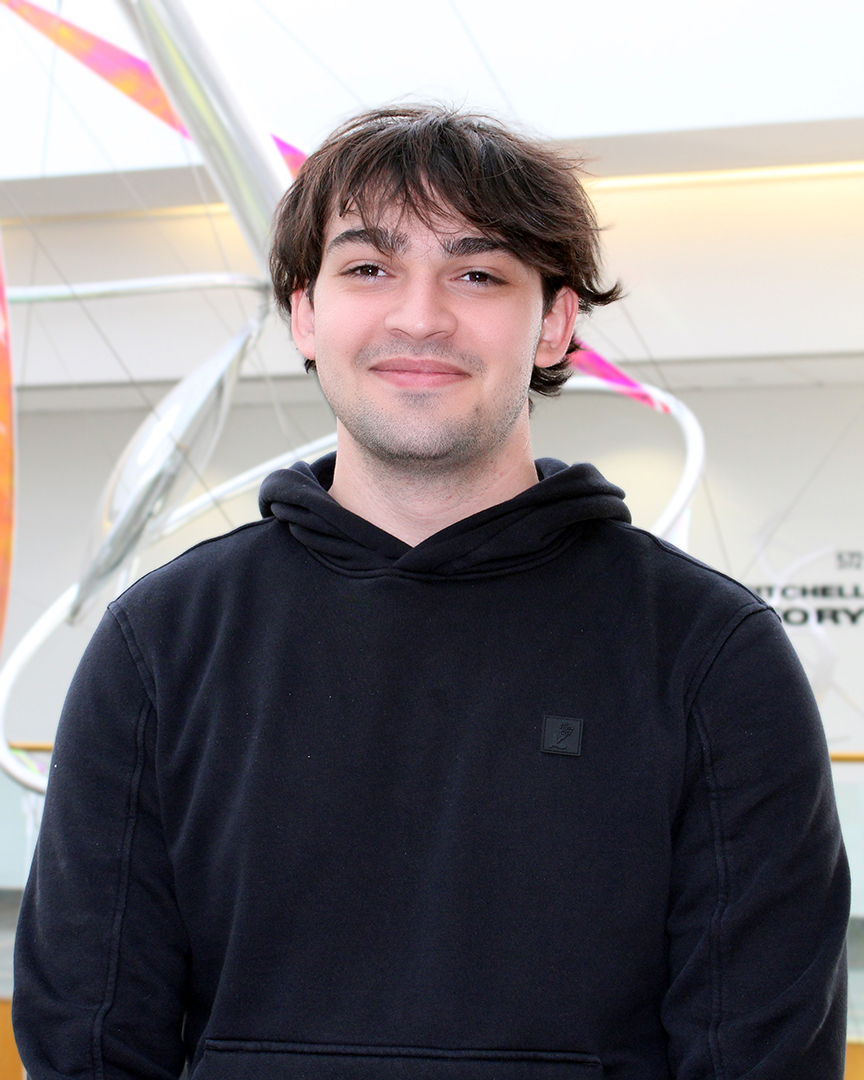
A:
[(216, 567), (650, 564)]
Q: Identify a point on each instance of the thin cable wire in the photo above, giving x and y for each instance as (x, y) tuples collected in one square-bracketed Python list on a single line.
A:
[(706, 485), (55, 348), (43, 163), (648, 353), (621, 355), (715, 519), (256, 357), (820, 464), (211, 221), (283, 422), (482, 56), (84, 308), (850, 701), (312, 55), (145, 210), (28, 317)]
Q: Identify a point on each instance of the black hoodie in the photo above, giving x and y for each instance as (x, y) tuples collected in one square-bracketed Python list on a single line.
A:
[(541, 798)]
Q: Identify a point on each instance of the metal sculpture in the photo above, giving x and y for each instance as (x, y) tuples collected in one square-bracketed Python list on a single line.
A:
[(129, 74), (139, 505), (164, 458)]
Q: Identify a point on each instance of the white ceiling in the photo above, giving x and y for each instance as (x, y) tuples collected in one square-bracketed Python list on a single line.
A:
[(571, 70)]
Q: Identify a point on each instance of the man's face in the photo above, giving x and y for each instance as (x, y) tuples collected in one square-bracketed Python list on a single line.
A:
[(424, 339)]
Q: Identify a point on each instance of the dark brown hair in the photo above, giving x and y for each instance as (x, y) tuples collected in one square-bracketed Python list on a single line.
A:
[(433, 161)]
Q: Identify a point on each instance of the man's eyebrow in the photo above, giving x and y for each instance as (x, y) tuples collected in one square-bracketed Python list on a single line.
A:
[(472, 245), (392, 243), (383, 240)]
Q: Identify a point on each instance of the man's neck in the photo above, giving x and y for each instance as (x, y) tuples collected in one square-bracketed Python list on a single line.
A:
[(414, 501)]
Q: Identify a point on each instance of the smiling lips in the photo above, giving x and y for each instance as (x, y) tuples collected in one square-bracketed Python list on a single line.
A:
[(418, 372)]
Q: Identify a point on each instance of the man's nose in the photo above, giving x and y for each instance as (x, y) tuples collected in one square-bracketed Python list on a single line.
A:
[(421, 309)]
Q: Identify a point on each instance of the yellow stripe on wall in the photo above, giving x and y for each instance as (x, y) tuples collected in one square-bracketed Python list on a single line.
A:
[(10, 1063), (854, 1061)]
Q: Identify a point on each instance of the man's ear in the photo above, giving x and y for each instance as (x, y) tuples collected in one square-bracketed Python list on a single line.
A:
[(558, 324), (303, 323)]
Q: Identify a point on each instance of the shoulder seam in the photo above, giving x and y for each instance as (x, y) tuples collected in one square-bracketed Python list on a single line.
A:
[(201, 543), (122, 889), (670, 549), (719, 835), (713, 1033), (126, 629), (715, 646)]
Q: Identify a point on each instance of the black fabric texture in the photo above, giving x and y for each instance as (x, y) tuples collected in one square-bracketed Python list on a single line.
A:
[(300, 823), (501, 537)]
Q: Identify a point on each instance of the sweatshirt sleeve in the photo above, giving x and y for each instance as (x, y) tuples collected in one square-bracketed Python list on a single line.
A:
[(101, 953), (760, 900)]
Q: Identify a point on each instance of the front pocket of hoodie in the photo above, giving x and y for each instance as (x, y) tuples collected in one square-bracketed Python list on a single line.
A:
[(230, 1059)]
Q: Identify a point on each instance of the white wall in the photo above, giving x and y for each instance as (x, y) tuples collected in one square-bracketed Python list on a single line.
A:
[(767, 266)]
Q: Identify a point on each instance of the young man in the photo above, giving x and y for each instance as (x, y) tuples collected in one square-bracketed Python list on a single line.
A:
[(441, 771)]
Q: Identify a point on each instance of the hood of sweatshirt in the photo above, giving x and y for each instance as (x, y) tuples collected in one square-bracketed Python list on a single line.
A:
[(516, 533)]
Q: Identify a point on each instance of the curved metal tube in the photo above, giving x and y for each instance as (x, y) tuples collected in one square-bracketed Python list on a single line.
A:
[(246, 481), (150, 286), (694, 464), (694, 461), (169, 451), (245, 164), (694, 446), (20, 656)]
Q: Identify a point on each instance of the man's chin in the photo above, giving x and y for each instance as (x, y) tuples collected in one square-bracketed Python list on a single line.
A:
[(411, 446)]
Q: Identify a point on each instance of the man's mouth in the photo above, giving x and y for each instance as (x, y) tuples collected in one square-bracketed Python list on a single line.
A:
[(418, 372)]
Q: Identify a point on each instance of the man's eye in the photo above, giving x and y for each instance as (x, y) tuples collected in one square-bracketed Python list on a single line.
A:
[(481, 277), (365, 270)]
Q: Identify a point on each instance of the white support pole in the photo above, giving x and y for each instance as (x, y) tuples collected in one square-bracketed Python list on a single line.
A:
[(243, 160)]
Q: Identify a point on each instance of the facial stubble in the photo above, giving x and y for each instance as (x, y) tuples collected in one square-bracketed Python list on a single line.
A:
[(411, 436)]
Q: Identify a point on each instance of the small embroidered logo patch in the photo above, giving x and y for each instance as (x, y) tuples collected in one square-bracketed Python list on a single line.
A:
[(561, 735)]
